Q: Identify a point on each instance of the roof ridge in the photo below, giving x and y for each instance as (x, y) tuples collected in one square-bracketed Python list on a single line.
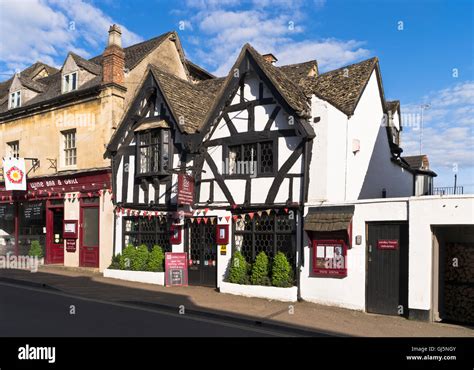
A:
[(373, 59)]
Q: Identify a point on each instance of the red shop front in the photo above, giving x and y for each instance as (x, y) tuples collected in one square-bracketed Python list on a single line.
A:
[(40, 212)]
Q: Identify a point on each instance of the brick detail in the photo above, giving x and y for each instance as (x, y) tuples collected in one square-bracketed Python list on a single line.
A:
[(113, 64)]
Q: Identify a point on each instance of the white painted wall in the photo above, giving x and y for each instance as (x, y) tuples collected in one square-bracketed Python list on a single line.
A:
[(349, 292), (423, 213)]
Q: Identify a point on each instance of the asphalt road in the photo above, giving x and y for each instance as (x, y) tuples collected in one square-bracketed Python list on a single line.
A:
[(34, 312)]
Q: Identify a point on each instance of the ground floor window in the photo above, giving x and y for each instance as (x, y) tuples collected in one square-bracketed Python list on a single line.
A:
[(149, 231), (32, 225), (7, 229), (269, 232)]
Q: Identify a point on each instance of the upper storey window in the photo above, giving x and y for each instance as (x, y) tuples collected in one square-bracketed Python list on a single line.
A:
[(153, 152), (15, 99), (70, 82)]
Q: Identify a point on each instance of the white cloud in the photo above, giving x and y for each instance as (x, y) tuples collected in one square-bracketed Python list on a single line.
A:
[(226, 31), (32, 30), (448, 136)]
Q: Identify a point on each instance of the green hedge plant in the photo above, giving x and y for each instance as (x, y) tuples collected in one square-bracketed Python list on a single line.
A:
[(35, 249), (139, 262), (128, 254), (238, 273), (260, 270), (115, 265), (282, 274), (156, 259)]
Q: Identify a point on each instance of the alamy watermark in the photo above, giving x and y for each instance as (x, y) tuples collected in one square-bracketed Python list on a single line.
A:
[(11, 261), (73, 120)]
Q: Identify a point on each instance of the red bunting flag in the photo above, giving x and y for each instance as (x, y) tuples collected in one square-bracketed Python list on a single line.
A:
[(286, 210), (235, 217), (206, 210), (205, 219), (251, 214), (199, 219), (227, 218)]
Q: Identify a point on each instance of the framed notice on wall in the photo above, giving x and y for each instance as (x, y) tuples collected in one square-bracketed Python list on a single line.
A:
[(70, 229), (329, 258)]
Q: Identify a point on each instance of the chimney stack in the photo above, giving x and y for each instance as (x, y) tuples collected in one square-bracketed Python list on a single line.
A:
[(113, 58), (270, 58)]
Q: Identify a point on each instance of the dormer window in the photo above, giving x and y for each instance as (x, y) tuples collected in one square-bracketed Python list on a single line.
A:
[(70, 82), (15, 99), (153, 151)]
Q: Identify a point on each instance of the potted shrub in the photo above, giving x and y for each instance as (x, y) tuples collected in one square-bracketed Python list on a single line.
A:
[(115, 265), (260, 270), (282, 274), (127, 256), (36, 250)]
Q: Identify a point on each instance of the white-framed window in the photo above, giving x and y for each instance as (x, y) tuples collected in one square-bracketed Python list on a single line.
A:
[(15, 99), (13, 149), (70, 82), (69, 148)]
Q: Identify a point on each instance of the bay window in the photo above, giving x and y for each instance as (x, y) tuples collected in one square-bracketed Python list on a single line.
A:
[(153, 152)]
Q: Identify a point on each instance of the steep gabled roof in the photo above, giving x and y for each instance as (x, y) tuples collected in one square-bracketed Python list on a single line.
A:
[(392, 106), (134, 54), (86, 64), (27, 73), (197, 72), (291, 92), (300, 71), (188, 102), (343, 87)]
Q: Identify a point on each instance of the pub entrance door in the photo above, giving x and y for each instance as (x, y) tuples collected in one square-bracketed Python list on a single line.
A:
[(202, 251), (54, 232)]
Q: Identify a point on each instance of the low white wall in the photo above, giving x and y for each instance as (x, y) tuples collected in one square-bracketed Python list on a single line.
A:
[(257, 291), (157, 278), (425, 212), (349, 291)]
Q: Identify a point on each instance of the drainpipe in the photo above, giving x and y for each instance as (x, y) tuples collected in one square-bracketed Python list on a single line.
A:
[(346, 159)]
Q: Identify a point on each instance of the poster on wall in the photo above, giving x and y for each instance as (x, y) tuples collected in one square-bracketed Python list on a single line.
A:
[(14, 174), (329, 258)]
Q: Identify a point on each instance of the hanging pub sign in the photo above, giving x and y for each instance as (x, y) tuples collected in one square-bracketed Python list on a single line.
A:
[(14, 174), (185, 189), (387, 244), (176, 269), (329, 258)]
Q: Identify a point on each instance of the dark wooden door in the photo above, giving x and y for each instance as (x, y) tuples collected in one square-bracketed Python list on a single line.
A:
[(54, 235), (89, 236), (387, 268), (202, 254)]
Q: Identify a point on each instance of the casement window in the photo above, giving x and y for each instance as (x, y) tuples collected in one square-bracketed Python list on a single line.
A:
[(153, 152), (270, 233), (329, 258), (15, 99), (69, 152), (13, 148), (251, 159), (70, 82), (148, 231)]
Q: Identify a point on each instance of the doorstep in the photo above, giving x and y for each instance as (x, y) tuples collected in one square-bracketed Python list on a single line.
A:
[(52, 267)]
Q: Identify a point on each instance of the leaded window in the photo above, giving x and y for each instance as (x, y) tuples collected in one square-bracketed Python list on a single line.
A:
[(148, 231), (153, 151), (251, 159), (268, 233)]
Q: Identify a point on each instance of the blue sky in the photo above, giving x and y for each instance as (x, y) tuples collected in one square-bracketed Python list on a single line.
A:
[(425, 49)]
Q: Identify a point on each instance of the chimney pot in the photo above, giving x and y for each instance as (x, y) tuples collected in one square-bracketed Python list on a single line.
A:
[(270, 58), (113, 58), (115, 36)]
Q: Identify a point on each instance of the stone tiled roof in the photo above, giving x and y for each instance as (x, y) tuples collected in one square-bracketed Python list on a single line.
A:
[(342, 87), (300, 71), (50, 87), (134, 54), (417, 161), (92, 67), (188, 102), (197, 72)]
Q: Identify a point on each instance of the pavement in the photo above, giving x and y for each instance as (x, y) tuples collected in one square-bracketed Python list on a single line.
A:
[(300, 318)]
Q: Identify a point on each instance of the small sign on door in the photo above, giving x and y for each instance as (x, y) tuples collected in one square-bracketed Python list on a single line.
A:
[(387, 244)]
